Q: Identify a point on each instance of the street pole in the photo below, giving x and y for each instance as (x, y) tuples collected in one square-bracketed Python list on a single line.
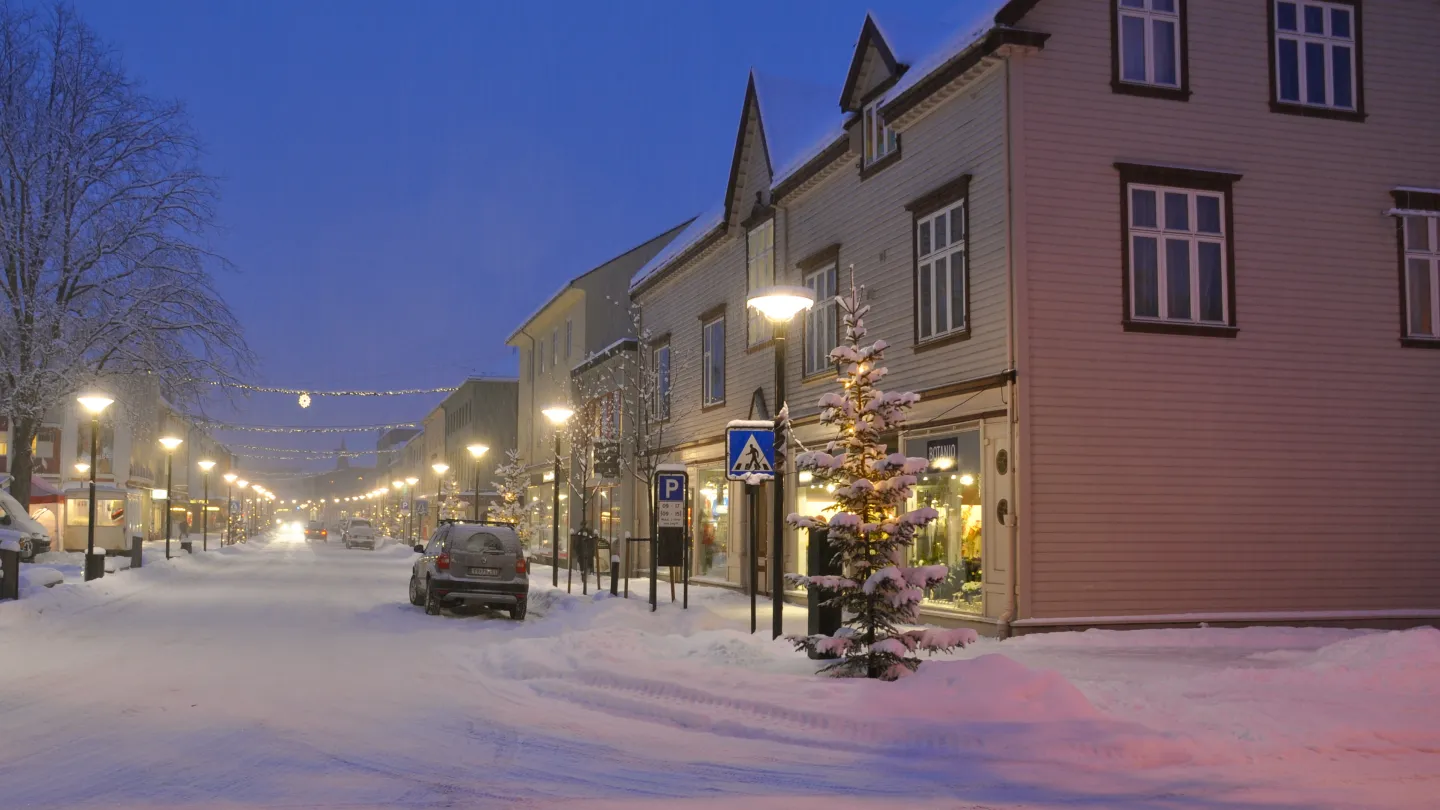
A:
[(205, 516), (555, 519), (94, 462), (169, 496), (229, 518), (777, 535), (477, 490)]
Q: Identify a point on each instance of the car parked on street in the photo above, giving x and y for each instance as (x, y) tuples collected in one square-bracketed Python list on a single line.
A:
[(471, 563), (315, 530), (358, 534), (16, 524)]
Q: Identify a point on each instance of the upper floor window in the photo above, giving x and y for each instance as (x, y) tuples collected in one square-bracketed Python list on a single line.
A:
[(941, 284), (713, 362), (1150, 47), (1422, 276), (759, 274), (1316, 56), (569, 337), (1178, 253), (660, 362), (555, 346), (821, 328), (542, 356), (880, 139)]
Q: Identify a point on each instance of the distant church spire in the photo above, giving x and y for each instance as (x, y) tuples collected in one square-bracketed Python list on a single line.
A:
[(342, 461)]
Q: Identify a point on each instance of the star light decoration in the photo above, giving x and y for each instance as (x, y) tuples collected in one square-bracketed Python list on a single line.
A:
[(304, 400)]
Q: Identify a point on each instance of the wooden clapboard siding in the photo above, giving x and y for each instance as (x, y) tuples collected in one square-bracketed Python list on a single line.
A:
[(1294, 467)]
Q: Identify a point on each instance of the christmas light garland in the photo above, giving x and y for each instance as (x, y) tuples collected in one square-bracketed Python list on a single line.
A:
[(305, 392), (300, 449), (216, 425)]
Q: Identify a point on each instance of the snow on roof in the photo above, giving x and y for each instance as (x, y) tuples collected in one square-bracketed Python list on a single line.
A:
[(698, 229), (926, 45), (800, 119)]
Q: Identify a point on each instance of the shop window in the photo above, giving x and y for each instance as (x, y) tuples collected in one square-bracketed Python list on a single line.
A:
[(107, 512), (951, 485), (712, 524), (816, 498)]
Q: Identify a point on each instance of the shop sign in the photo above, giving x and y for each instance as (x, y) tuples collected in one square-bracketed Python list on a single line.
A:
[(607, 460), (670, 500), (942, 453)]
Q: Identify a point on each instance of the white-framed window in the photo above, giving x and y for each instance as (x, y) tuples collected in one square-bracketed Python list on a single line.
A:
[(569, 337), (940, 269), (1149, 41), (1178, 257), (660, 360), (820, 322), (1422, 276), (542, 356), (1315, 54), (713, 362), (759, 274), (879, 138), (555, 347)]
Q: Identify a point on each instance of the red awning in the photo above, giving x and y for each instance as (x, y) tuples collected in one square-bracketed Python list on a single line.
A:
[(42, 492)]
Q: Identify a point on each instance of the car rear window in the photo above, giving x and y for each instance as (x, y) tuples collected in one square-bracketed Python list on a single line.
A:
[(315, 524), (356, 523), (478, 543)]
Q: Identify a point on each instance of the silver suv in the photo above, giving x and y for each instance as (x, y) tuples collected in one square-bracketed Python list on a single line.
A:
[(471, 563), (358, 532)]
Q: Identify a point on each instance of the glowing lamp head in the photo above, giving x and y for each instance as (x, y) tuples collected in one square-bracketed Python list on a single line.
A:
[(781, 303), (207, 465), (95, 403), (82, 467), (439, 467), (477, 450), (170, 443), (397, 484), (412, 481), (558, 414), (242, 483), (257, 487), (967, 480)]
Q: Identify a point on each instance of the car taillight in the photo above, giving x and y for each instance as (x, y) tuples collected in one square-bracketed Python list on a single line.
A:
[(324, 533), (443, 562), (520, 566)]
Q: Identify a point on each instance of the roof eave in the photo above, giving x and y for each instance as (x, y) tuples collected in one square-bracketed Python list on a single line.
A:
[(896, 109), (701, 245)]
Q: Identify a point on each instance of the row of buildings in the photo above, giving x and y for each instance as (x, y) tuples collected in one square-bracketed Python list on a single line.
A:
[(1166, 276)]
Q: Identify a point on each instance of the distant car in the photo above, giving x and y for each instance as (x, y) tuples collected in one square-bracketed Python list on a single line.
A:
[(359, 532), (473, 564), (315, 530), (16, 524)]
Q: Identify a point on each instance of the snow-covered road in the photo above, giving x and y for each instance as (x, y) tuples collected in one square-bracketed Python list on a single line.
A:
[(285, 674)]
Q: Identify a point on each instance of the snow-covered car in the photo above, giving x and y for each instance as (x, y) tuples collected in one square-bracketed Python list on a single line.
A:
[(16, 524), (315, 530), (359, 532), (473, 564)]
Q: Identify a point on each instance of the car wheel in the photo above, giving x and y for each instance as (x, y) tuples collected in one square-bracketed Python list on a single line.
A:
[(415, 598), (432, 605), (517, 610)]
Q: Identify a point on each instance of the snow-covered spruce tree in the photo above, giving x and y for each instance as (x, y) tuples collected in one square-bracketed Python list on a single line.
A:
[(511, 488), (869, 525)]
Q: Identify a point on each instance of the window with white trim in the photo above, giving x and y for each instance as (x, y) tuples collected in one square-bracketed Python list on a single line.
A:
[(555, 347), (1316, 54), (713, 362), (1149, 42), (660, 362), (940, 269), (569, 337), (1422, 276), (820, 322), (1178, 256), (879, 138), (542, 357), (759, 274)]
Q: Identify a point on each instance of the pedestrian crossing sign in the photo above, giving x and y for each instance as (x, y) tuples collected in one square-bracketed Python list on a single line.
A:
[(750, 450)]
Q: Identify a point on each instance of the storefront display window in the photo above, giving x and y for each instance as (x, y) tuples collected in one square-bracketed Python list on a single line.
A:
[(540, 501), (107, 512), (951, 486), (816, 499), (712, 523)]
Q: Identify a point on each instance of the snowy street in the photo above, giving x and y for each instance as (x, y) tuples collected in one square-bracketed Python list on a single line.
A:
[(286, 674)]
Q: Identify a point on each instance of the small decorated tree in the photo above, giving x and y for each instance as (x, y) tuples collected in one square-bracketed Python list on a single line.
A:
[(869, 524), (511, 488)]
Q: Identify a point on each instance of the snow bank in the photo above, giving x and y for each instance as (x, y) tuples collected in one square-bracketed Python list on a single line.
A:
[(76, 558), (34, 578)]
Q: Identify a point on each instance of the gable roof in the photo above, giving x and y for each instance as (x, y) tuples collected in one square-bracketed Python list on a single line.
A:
[(798, 118), (870, 37)]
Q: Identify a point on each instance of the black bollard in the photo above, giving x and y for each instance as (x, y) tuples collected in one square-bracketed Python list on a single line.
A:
[(136, 555), (10, 576), (95, 565)]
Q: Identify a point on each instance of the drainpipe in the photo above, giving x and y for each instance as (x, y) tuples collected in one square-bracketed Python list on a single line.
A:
[(1012, 589)]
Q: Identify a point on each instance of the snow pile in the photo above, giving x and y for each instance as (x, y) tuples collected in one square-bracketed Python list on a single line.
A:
[(75, 558), (35, 578)]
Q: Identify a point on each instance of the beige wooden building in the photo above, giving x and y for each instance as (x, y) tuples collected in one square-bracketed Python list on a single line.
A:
[(1165, 274)]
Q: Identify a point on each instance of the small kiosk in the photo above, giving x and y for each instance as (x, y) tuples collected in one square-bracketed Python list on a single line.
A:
[(110, 518)]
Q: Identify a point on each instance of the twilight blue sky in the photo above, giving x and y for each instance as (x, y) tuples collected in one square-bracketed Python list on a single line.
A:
[(402, 181)]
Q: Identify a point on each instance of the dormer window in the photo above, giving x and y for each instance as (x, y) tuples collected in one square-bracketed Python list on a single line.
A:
[(880, 140), (759, 274)]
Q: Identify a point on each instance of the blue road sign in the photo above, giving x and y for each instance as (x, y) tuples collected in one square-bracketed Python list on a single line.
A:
[(670, 500), (749, 451)]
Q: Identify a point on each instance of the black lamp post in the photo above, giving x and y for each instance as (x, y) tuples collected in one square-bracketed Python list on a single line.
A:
[(229, 499), (779, 305), (410, 513), (94, 403), (205, 467), (440, 469), (558, 416), (476, 451), (169, 443)]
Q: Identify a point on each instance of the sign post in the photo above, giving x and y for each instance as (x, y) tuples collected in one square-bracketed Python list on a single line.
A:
[(750, 457), (671, 485)]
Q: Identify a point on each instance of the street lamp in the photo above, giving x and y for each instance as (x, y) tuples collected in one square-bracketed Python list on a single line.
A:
[(169, 443), (558, 416), (255, 508), (410, 483), (396, 485), (779, 305), (229, 497), (95, 404), (206, 466), (440, 468), (476, 451)]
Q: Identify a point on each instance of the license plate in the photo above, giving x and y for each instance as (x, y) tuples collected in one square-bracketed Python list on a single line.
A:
[(484, 572)]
